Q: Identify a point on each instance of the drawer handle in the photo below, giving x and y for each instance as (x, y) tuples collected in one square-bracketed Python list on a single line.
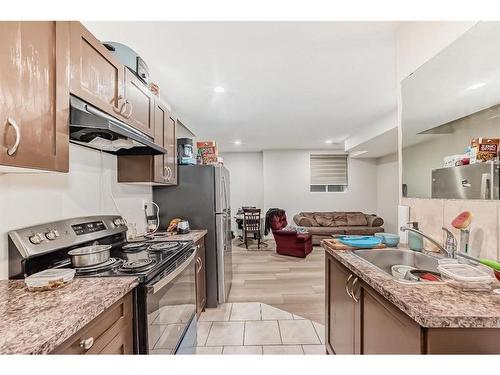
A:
[(118, 109), (87, 343), (11, 151), (129, 114)]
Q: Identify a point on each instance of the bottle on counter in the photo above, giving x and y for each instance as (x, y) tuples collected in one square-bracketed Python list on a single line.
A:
[(415, 241)]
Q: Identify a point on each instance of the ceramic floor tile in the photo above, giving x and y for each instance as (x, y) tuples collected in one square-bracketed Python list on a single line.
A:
[(245, 350), (202, 330), (245, 311), (320, 330), (265, 332), (226, 333), (314, 349), (219, 314), (209, 350), (297, 317), (283, 349), (272, 313), (298, 332)]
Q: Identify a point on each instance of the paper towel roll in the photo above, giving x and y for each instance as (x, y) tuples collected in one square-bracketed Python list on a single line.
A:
[(403, 219)]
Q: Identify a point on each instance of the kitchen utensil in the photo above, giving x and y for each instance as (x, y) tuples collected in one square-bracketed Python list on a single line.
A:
[(89, 255), (465, 276), (49, 279), (183, 227), (399, 270), (497, 274), (363, 242), (334, 244), (422, 275), (487, 262), (462, 221)]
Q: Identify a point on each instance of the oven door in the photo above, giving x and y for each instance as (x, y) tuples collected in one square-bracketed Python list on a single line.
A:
[(171, 306)]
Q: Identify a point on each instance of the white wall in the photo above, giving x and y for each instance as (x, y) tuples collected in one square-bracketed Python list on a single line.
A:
[(287, 178), (29, 199), (246, 178), (388, 191)]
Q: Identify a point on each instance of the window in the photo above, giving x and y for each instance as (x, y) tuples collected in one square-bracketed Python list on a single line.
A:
[(328, 173)]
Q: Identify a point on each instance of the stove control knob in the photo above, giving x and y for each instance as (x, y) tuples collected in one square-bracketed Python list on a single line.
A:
[(36, 238), (117, 222), (52, 234)]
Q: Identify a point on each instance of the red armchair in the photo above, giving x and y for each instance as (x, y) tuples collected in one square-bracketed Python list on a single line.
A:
[(289, 242)]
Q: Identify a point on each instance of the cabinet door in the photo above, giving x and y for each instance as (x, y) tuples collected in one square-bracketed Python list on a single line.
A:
[(201, 289), (96, 76), (165, 166), (386, 330), (342, 311), (34, 95), (140, 108)]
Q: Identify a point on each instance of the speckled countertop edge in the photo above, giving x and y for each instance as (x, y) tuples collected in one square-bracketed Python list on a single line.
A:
[(431, 306), (38, 322)]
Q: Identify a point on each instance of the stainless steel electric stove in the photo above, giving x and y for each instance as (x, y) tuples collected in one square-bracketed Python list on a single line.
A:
[(164, 301)]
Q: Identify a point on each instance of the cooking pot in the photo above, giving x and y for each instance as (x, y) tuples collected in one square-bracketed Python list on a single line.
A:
[(89, 255)]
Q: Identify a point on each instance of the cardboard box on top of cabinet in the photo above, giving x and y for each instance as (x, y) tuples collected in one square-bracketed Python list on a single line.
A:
[(484, 149), (207, 152)]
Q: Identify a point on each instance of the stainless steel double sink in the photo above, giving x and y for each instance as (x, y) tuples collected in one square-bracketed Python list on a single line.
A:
[(384, 259)]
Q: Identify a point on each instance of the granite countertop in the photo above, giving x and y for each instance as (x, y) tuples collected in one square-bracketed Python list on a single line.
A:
[(38, 322), (431, 306), (194, 235)]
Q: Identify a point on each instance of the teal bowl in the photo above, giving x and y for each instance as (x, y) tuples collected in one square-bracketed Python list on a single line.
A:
[(389, 239)]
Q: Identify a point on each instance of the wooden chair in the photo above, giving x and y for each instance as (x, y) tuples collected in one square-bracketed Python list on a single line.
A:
[(251, 225)]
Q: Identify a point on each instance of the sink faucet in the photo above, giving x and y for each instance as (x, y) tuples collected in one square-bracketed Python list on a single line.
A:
[(450, 246)]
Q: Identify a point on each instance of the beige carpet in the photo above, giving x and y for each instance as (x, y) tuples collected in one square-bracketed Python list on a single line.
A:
[(291, 284)]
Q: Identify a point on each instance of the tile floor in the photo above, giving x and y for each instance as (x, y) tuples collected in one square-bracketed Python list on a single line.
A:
[(257, 328)]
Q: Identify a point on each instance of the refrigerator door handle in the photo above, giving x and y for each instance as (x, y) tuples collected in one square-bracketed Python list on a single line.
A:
[(485, 186)]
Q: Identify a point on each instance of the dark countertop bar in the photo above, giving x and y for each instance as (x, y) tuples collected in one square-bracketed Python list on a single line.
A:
[(38, 322), (431, 306)]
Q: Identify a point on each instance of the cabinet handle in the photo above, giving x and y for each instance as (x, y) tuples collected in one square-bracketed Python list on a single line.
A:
[(347, 285), (169, 175), (11, 151), (87, 343), (353, 295), (118, 109), (129, 114), (165, 173)]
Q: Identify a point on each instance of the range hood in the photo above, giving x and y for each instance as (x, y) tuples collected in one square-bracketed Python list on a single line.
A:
[(91, 127)]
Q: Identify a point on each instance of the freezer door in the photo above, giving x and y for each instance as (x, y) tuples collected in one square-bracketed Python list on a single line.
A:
[(475, 181), (224, 256)]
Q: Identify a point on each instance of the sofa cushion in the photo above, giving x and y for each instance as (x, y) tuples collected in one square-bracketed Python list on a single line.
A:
[(340, 219), (305, 221), (326, 231), (364, 231), (325, 221), (356, 220), (374, 221)]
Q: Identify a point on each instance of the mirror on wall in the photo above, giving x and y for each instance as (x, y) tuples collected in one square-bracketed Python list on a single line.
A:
[(451, 120)]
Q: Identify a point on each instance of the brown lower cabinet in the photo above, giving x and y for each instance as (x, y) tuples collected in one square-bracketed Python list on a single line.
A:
[(359, 320), (109, 333), (201, 286)]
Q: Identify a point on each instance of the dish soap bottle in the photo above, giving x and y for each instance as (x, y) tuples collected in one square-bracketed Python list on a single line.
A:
[(415, 241)]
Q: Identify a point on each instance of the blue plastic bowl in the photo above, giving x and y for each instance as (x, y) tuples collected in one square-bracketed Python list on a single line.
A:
[(389, 239)]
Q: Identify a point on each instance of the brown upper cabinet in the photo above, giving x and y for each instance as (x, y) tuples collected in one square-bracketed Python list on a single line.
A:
[(34, 95), (96, 76), (158, 169), (139, 108)]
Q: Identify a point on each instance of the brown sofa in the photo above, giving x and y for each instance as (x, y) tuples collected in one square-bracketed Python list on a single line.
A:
[(325, 224)]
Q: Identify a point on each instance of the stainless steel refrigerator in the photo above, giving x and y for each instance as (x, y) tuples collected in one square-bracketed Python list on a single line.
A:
[(202, 197), (474, 181)]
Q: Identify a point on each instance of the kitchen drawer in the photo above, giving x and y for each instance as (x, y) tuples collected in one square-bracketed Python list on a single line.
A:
[(111, 332)]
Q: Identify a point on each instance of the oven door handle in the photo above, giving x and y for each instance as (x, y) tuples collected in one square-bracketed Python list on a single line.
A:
[(154, 288)]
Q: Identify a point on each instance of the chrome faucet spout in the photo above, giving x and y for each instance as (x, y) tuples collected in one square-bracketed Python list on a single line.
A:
[(448, 250)]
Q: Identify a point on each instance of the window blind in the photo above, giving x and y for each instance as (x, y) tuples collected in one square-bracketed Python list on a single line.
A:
[(328, 169)]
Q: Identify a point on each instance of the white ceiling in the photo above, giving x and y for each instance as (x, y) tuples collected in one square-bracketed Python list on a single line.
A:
[(288, 84)]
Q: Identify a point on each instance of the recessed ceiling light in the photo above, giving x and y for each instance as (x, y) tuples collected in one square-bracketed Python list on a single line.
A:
[(237, 143), (219, 89), (328, 141)]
